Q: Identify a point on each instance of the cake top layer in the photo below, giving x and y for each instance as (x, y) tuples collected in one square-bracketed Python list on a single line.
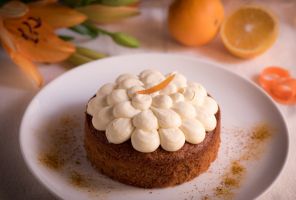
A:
[(133, 108)]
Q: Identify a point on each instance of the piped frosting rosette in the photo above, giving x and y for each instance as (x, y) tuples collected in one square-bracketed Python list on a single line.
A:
[(180, 112)]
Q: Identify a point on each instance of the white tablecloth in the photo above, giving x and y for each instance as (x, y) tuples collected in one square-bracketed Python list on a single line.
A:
[(16, 182)]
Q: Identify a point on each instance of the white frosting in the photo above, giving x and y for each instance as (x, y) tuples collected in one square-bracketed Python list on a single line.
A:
[(96, 104), (133, 90), (101, 119), (125, 109), (170, 89), (193, 130), (145, 120), (176, 97), (210, 105), (129, 82), (153, 78), (106, 89), (195, 92), (167, 118), (208, 120), (180, 112), (162, 101), (142, 101), (185, 109), (145, 141), (125, 76), (147, 72), (179, 81), (171, 139), (117, 96), (119, 130)]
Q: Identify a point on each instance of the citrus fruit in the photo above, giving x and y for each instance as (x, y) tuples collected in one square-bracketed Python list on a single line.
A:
[(249, 31), (195, 22)]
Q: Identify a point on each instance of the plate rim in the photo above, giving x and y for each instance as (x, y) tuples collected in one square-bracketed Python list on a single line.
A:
[(179, 56)]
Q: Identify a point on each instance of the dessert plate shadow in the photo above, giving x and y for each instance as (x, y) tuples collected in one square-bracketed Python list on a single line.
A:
[(51, 132)]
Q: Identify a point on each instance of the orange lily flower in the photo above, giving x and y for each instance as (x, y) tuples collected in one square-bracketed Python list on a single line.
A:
[(30, 37)]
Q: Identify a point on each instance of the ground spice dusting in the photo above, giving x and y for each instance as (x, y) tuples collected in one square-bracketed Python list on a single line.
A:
[(231, 182), (52, 161), (223, 192), (237, 168), (231, 179), (61, 144), (78, 179), (261, 132), (64, 150), (206, 197)]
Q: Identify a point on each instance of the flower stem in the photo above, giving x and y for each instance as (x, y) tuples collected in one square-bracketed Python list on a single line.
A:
[(78, 59), (84, 55), (90, 53)]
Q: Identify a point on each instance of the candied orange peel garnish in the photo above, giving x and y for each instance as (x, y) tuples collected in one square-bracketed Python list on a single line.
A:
[(279, 84), (158, 87)]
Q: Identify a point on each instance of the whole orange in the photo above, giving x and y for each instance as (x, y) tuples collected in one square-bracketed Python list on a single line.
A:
[(195, 22)]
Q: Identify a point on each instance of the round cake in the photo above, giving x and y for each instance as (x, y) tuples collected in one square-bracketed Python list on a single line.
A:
[(151, 130)]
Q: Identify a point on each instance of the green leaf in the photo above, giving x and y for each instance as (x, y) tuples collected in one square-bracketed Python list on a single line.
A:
[(117, 2), (66, 37), (72, 3), (84, 30), (2, 2), (107, 14), (86, 2), (125, 40)]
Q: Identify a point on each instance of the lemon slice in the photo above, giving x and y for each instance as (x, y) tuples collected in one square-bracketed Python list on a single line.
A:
[(249, 31)]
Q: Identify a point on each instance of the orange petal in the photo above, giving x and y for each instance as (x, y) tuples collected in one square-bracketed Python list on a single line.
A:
[(5, 36), (36, 40), (57, 16), (28, 67), (25, 64), (158, 87)]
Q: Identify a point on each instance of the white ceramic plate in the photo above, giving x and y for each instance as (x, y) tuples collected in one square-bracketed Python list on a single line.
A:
[(243, 104)]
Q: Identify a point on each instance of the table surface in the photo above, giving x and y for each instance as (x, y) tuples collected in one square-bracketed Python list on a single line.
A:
[(16, 182)]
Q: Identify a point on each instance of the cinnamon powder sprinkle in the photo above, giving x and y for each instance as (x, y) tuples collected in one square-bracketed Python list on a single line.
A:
[(260, 133), (62, 144), (237, 168), (52, 161), (231, 180), (78, 179), (63, 152), (253, 147)]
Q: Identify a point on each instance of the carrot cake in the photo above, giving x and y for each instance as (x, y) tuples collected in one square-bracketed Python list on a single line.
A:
[(151, 130)]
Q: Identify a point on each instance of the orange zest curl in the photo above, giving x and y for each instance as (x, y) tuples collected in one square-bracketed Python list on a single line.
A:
[(158, 87)]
